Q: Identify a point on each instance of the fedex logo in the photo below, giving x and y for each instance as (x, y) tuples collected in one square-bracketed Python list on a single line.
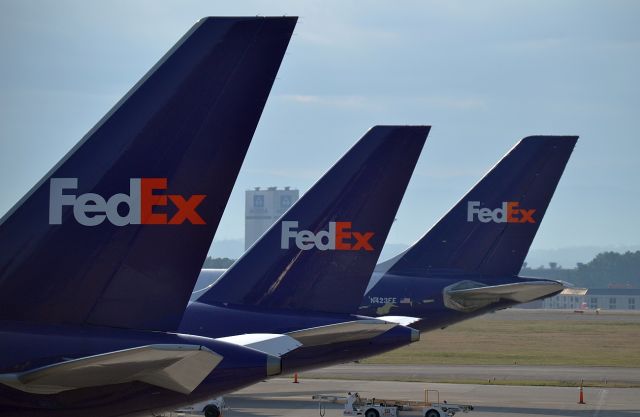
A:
[(92, 209), (510, 212), (338, 237)]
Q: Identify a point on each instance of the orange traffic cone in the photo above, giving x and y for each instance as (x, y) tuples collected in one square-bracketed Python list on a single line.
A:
[(581, 394), (295, 378)]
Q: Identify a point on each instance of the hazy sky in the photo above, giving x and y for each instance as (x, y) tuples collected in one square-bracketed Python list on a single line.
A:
[(483, 73)]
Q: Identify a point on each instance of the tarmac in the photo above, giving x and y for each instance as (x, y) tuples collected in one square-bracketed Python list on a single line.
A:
[(280, 397), (474, 373)]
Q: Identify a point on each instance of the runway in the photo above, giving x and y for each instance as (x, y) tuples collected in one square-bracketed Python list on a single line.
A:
[(281, 398), (601, 375)]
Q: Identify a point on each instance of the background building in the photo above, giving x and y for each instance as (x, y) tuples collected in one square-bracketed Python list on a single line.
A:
[(262, 208), (593, 298)]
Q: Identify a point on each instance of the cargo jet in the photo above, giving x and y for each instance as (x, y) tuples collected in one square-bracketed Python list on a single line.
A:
[(306, 276), (98, 260), (468, 263)]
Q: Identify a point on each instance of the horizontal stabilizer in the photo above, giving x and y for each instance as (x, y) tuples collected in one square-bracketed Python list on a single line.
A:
[(574, 291), (179, 368), (469, 296), (342, 332), (273, 344)]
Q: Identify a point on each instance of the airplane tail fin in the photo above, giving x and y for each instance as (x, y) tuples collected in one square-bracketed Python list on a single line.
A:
[(491, 229), (320, 254), (115, 234)]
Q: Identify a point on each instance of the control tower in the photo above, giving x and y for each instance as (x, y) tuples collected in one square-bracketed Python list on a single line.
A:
[(262, 207)]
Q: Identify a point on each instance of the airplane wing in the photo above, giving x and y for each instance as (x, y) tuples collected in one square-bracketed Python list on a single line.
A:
[(469, 296), (179, 368)]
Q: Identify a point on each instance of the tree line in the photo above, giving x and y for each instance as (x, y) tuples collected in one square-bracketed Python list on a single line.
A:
[(217, 263), (604, 270)]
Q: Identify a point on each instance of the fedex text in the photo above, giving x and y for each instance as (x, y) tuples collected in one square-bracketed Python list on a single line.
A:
[(338, 237), (144, 204), (509, 212)]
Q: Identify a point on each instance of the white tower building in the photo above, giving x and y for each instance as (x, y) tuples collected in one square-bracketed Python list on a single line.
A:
[(262, 208)]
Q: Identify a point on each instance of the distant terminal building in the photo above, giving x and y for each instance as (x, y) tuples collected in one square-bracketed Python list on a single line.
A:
[(262, 207), (595, 298)]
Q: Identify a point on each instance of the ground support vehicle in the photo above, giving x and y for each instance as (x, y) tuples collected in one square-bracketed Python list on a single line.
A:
[(210, 408), (355, 405)]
